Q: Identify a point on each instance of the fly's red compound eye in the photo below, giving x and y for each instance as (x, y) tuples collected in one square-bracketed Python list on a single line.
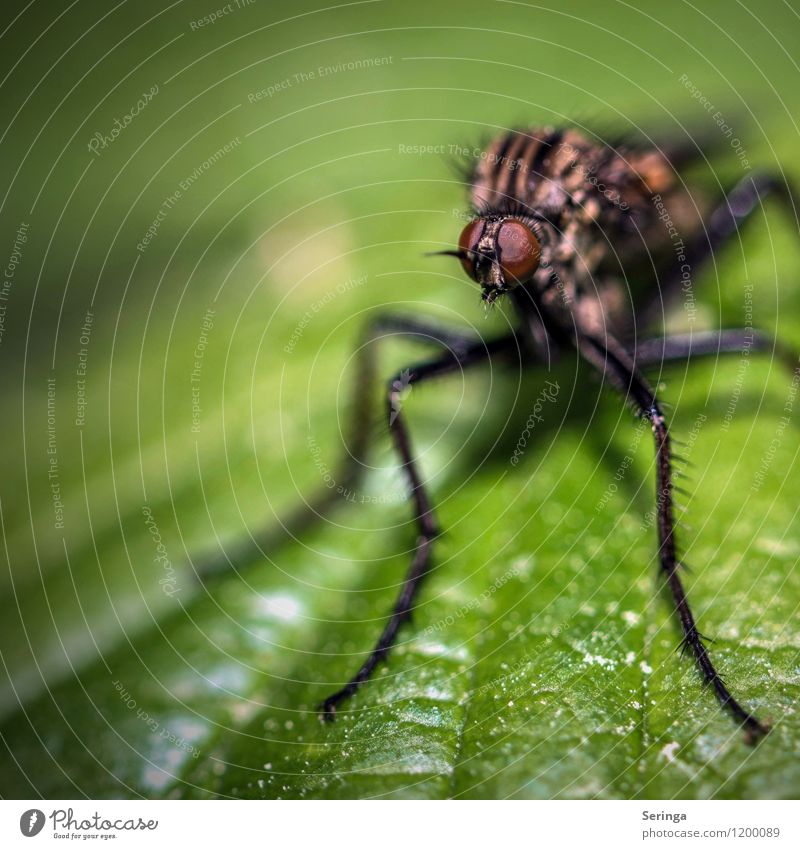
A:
[(468, 246), (519, 252)]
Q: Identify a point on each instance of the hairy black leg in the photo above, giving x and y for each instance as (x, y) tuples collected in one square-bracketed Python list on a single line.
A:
[(611, 359), (735, 208), (707, 343), (351, 466), (475, 353)]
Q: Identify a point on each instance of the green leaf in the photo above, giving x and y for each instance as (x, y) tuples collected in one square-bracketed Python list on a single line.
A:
[(541, 659), (540, 662)]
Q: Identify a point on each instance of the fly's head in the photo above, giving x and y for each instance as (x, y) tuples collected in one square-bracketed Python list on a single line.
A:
[(499, 253)]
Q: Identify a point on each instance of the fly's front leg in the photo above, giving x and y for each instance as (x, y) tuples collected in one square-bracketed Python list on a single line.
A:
[(351, 466), (610, 358), (475, 353)]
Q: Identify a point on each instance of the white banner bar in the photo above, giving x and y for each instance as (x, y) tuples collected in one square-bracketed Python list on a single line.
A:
[(400, 825)]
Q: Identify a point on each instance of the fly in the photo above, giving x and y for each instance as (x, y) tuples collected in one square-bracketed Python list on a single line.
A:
[(559, 223)]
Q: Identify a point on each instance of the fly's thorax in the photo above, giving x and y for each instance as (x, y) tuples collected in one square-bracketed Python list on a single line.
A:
[(570, 255), (563, 302)]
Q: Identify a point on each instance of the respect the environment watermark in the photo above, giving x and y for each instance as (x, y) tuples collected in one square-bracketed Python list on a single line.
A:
[(318, 73)]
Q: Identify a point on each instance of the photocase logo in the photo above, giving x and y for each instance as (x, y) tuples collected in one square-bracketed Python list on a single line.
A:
[(31, 822), (65, 825)]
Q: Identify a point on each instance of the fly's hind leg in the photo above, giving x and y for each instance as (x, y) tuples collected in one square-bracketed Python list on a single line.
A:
[(710, 343), (475, 353), (732, 212)]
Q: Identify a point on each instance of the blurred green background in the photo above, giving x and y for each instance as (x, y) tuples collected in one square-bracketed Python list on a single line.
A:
[(270, 168)]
